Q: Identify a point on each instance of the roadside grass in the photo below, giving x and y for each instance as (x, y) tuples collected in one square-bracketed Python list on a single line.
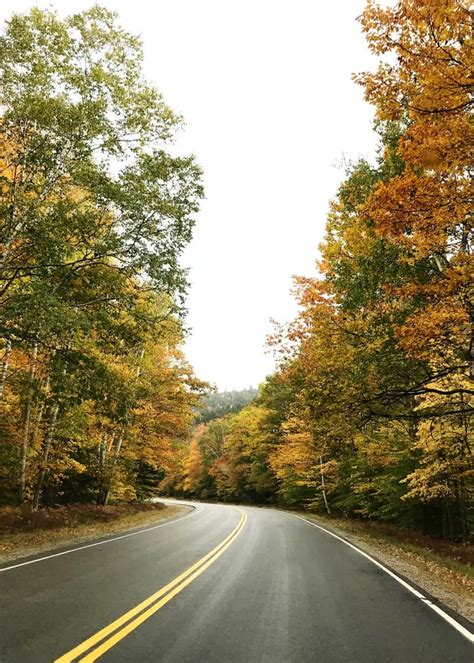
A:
[(25, 532), (459, 556), (449, 562)]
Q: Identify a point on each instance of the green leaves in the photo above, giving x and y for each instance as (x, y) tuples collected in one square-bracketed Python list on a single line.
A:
[(94, 216), (81, 76), (88, 188)]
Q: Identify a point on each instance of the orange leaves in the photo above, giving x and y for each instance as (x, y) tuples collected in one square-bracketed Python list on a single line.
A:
[(427, 209), (294, 460), (429, 87), (446, 462), (429, 45), (194, 471), (423, 213), (434, 332), (9, 166), (439, 143), (381, 362)]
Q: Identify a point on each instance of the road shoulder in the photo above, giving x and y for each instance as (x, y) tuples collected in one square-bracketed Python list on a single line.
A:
[(445, 580), (14, 546)]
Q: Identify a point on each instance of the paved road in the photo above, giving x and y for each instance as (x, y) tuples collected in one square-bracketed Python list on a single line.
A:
[(253, 585)]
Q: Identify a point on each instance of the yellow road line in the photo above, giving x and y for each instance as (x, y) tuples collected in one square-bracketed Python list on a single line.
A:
[(167, 592)]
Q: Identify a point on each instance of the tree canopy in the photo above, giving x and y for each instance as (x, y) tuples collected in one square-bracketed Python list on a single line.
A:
[(370, 412), (95, 211)]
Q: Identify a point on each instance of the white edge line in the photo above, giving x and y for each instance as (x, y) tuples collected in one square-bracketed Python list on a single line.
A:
[(447, 618), (195, 511)]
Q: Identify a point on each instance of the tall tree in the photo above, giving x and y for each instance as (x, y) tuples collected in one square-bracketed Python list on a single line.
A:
[(94, 215)]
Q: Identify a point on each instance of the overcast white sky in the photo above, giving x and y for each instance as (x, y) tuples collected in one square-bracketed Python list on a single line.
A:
[(265, 88)]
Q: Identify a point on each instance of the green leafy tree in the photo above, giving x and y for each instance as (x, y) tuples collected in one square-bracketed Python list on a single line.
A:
[(94, 215)]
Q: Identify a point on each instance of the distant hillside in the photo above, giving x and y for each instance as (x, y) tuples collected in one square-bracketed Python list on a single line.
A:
[(225, 402)]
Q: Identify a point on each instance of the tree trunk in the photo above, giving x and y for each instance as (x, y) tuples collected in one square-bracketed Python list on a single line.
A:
[(105, 448), (141, 354), (113, 465), (323, 485), (42, 408), (470, 349), (15, 226), (44, 460), (6, 360), (26, 427)]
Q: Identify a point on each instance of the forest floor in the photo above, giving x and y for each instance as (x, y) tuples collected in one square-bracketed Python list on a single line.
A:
[(24, 532), (442, 569)]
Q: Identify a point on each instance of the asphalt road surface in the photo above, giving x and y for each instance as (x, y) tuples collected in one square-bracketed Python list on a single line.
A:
[(222, 584)]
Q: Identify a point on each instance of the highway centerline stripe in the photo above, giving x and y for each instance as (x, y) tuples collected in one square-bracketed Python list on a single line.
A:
[(131, 626), (129, 621)]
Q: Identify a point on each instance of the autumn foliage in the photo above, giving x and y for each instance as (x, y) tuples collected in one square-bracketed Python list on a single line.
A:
[(94, 214), (370, 412)]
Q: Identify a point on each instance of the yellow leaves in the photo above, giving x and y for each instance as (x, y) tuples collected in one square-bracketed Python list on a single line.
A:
[(439, 143), (429, 483), (295, 457), (420, 212), (193, 470), (446, 461), (429, 49), (434, 331), (247, 429), (9, 164)]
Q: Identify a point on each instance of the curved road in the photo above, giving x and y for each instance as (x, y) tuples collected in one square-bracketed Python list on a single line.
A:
[(222, 584)]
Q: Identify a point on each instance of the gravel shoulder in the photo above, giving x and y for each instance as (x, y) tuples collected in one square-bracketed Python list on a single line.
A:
[(22, 544), (446, 579)]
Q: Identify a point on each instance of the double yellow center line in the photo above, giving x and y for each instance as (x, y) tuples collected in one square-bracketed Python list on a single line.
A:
[(110, 635)]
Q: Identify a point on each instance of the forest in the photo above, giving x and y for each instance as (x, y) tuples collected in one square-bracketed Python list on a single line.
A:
[(218, 404), (95, 212), (370, 411)]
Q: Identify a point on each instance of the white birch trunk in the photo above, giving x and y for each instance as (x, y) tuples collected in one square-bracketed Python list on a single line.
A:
[(5, 364), (44, 460), (26, 427), (113, 464), (323, 485)]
